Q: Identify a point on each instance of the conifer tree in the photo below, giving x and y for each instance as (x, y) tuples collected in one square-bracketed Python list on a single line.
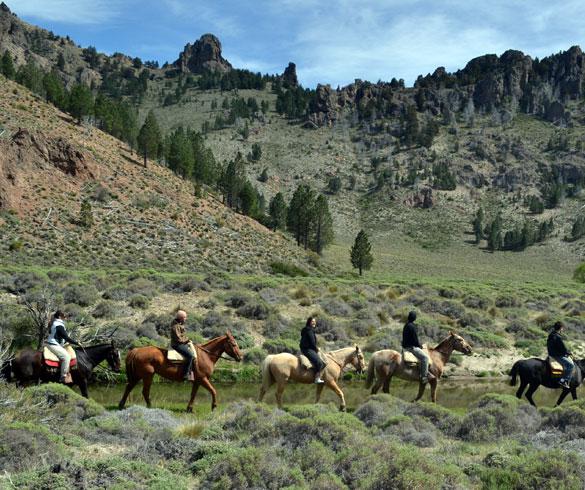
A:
[(7, 66), (322, 224), (277, 211), (80, 101), (361, 253), (149, 137), (86, 215), (478, 225)]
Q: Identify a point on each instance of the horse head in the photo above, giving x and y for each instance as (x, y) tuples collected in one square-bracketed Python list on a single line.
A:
[(460, 344), (232, 349), (113, 357), (358, 361)]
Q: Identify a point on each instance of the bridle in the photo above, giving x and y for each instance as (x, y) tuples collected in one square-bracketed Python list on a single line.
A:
[(213, 354)]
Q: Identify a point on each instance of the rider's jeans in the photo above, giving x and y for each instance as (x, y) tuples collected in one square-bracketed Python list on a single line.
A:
[(568, 366), (423, 359)]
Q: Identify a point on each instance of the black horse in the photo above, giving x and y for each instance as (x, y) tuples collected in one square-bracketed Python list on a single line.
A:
[(535, 372), (27, 367)]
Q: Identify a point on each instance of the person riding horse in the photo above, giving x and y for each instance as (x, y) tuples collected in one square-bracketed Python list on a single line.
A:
[(309, 348), (57, 338), (558, 350), (180, 342), (411, 343)]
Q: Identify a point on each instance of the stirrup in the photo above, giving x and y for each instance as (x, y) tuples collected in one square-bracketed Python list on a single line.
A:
[(318, 381)]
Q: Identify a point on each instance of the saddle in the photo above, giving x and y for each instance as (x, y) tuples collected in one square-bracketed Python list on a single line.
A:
[(176, 358), (52, 361), (555, 367), (305, 363), (411, 360)]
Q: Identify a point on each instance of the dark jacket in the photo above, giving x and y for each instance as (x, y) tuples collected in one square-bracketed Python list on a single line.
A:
[(556, 346), (60, 334), (308, 339), (410, 337), (178, 333)]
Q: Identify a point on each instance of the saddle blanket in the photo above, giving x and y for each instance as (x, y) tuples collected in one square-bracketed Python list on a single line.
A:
[(304, 360), (176, 357), (410, 358), (52, 360), (556, 368)]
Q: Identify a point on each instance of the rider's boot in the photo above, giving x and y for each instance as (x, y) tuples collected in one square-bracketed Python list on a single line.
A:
[(318, 380)]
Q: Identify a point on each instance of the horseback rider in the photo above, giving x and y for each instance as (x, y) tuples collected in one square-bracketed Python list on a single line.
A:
[(309, 348), (558, 350), (180, 342), (57, 338), (411, 343)]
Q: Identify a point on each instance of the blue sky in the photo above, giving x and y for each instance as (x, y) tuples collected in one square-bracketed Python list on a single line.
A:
[(330, 41)]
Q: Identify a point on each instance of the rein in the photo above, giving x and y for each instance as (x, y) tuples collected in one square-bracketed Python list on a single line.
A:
[(217, 356)]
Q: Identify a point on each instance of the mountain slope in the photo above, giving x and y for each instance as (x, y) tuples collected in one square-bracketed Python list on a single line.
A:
[(143, 217)]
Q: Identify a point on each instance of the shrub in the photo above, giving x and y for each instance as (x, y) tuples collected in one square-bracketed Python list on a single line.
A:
[(254, 311), (25, 447), (336, 307), (80, 293), (280, 345), (579, 274), (237, 300), (139, 301), (255, 355), (105, 309), (274, 326), (287, 269)]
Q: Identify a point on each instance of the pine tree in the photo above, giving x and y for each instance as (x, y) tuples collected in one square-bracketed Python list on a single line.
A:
[(300, 213), (7, 66), (410, 127), (149, 137), (54, 90), (322, 224), (86, 215), (61, 62), (495, 234), (361, 253), (232, 180), (249, 198), (278, 212), (478, 225), (80, 101)]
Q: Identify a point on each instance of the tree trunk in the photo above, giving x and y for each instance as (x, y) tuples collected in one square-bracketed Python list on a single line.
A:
[(144, 158)]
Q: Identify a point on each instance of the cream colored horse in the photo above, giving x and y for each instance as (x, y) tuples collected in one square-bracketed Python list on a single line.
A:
[(387, 363), (280, 368)]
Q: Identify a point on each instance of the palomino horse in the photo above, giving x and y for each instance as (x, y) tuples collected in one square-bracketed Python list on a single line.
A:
[(27, 367), (279, 368), (535, 372), (387, 363), (143, 363)]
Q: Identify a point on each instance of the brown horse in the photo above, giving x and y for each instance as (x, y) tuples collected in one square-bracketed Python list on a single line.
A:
[(387, 363), (280, 368), (142, 363)]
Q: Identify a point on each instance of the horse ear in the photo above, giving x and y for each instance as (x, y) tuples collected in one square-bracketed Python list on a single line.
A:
[(451, 333), (228, 332), (357, 348)]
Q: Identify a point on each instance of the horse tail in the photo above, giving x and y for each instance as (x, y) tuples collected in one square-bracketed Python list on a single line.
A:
[(267, 378), (6, 371), (514, 373), (370, 375)]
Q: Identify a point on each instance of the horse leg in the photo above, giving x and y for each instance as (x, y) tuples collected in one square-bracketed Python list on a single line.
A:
[(129, 387), (146, 383), (521, 389), (279, 392), (333, 386), (318, 393), (434, 385), (194, 389), (209, 387), (387, 381), (377, 383), (421, 390), (574, 393), (531, 389), (564, 393), (82, 383)]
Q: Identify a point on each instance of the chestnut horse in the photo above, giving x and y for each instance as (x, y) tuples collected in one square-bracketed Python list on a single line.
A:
[(142, 363), (280, 368), (387, 363)]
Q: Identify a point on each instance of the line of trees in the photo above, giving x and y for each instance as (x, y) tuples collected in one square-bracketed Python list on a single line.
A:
[(114, 116), (518, 238), (307, 217)]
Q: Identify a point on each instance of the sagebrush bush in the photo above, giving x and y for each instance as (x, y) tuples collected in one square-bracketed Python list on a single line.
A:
[(80, 293), (139, 301)]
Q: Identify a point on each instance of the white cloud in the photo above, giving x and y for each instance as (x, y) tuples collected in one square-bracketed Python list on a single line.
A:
[(68, 11)]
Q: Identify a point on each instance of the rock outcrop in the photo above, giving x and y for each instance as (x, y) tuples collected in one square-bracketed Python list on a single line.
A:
[(421, 198), (203, 55), (289, 77)]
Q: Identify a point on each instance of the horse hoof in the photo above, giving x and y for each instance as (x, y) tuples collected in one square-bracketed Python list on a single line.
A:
[(342, 409), (189, 410)]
